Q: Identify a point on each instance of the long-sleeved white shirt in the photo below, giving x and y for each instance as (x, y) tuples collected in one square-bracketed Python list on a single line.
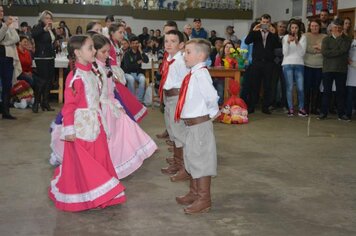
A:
[(293, 54), (202, 98), (177, 71)]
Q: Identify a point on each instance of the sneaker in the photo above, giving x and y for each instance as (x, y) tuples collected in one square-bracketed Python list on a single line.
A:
[(302, 113), (322, 116), (344, 118), (290, 113)]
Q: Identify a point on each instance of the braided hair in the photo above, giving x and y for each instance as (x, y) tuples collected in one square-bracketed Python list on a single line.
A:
[(99, 42), (75, 43)]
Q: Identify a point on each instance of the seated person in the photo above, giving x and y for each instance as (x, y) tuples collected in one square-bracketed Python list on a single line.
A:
[(152, 46), (131, 65), (25, 60), (223, 59)]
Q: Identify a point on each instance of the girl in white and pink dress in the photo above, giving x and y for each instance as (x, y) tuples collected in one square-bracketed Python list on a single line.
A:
[(86, 179), (128, 144)]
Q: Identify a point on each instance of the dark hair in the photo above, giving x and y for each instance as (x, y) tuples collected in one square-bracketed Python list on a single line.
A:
[(171, 23), (91, 25), (295, 22), (325, 10), (213, 31), (79, 28), (100, 41), (24, 24), (109, 17), (315, 21), (223, 50), (114, 27), (62, 22), (134, 38), (266, 16), (22, 37), (91, 33), (178, 34), (75, 42)]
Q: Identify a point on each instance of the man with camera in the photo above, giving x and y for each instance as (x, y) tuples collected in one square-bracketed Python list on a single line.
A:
[(264, 44)]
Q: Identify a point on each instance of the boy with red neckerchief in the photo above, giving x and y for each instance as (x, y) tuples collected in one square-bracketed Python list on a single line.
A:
[(173, 73), (197, 106)]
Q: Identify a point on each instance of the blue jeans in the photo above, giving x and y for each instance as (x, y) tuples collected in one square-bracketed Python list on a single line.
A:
[(294, 73), (340, 82), (351, 98), (141, 80), (219, 86)]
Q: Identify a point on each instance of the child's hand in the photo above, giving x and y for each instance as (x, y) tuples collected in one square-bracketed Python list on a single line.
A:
[(69, 138)]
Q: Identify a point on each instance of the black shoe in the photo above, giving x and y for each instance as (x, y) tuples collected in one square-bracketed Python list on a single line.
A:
[(35, 108), (344, 118), (8, 117), (322, 116), (46, 107), (266, 111)]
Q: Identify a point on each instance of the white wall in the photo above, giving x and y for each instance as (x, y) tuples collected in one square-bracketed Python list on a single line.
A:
[(343, 4), (275, 8), (241, 26)]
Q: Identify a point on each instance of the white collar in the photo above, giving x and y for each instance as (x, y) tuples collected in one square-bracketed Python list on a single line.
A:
[(198, 66), (177, 55)]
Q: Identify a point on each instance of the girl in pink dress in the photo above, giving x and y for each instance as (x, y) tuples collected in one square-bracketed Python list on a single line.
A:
[(132, 106), (128, 144), (86, 179)]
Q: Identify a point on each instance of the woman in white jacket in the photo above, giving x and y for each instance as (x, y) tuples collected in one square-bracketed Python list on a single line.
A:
[(8, 53), (294, 46)]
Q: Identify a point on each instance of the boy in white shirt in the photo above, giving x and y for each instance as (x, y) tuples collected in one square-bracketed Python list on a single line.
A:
[(197, 106), (173, 73)]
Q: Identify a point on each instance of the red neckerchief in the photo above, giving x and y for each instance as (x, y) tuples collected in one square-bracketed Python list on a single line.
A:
[(165, 71), (164, 60), (183, 94)]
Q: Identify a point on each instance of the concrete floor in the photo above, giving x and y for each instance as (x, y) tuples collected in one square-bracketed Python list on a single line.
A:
[(273, 180)]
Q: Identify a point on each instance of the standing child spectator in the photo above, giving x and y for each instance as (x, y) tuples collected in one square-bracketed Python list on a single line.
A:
[(197, 105), (294, 45), (108, 21), (85, 134), (132, 64), (173, 74)]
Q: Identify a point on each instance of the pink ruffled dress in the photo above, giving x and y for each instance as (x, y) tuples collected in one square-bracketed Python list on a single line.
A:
[(87, 178)]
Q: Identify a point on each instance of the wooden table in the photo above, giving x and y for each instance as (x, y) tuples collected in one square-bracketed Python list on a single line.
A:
[(223, 73), (61, 62)]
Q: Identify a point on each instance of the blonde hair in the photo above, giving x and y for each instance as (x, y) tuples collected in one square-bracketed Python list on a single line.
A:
[(44, 14), (201, 45)]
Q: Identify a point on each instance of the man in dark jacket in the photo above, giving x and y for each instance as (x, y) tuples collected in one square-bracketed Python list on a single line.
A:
[(335, 49), (131, 65), (264, 45)]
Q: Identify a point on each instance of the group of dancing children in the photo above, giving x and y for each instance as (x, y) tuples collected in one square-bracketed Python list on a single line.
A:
[(96, 140)]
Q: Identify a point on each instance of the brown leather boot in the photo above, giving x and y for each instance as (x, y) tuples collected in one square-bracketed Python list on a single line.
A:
[(174, 167), (191, 196), (203, 203), (170, 160), (181, 175)]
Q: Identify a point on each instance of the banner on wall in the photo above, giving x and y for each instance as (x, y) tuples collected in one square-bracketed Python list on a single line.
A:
[(314, 7)]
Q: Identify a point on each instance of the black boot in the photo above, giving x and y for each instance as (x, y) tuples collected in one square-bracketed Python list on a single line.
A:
[(6, 109), (45, 96), (37, 94)]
